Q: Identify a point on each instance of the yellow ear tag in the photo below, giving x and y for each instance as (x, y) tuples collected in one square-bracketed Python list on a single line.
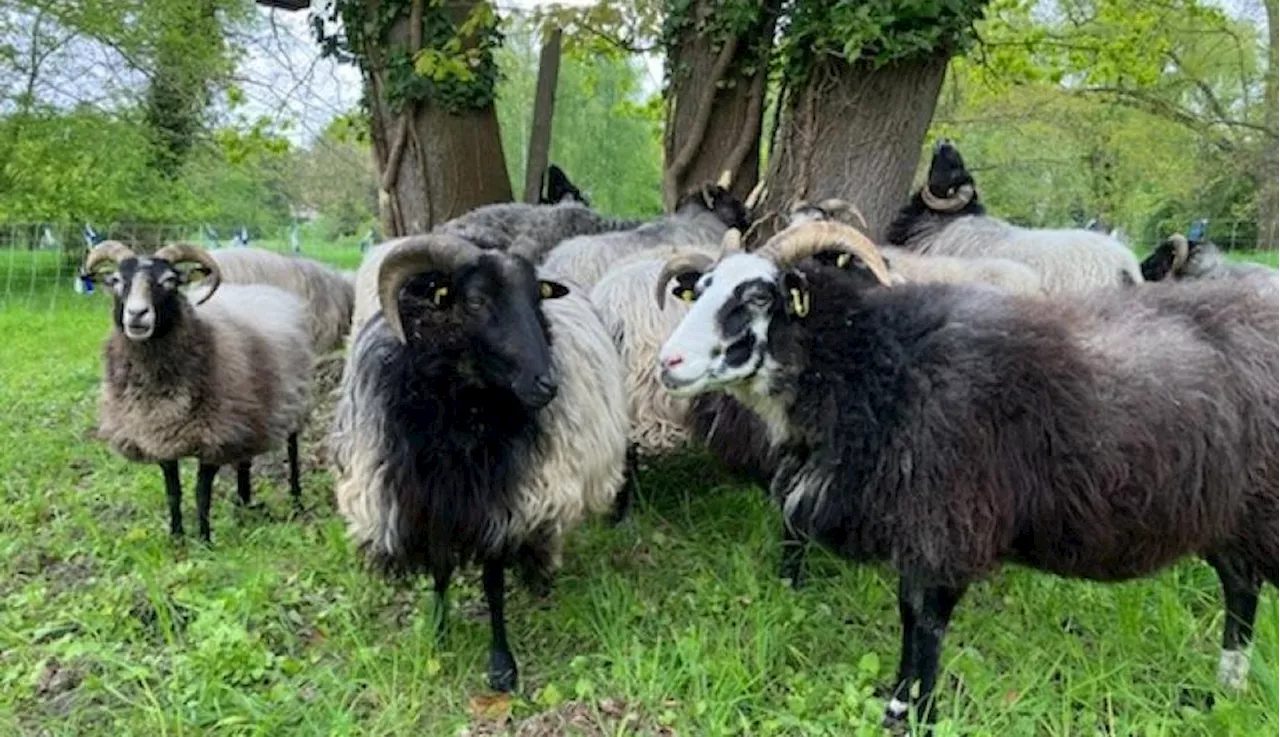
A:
[(546, 290), (799, 302), (441, 293), (843, 260), (687, 295)]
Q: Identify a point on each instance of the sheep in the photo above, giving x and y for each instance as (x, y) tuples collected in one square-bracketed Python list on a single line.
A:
[(945, 218), (1176, 258), (530, 230), (906, 266), (946, 429), (481, 415), (557, 188), (701, 218), (223, 380), (329, 295), (661, 424)]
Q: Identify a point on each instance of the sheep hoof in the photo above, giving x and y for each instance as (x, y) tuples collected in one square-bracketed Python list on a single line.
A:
[(895, 717), (502, 671)]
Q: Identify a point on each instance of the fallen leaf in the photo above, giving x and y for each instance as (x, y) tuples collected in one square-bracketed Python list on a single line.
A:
[(491, 707)]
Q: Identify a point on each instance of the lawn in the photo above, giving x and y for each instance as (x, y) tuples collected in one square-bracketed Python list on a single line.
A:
[(673, 623)]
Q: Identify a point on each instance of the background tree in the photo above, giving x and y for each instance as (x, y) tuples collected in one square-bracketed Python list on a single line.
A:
[(429, 77)]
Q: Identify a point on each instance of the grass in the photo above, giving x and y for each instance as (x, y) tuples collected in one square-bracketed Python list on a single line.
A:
[(672, 623)]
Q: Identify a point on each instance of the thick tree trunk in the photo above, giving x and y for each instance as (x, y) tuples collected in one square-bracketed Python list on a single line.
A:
[(544, 106), (715, 105), (1268, 230), (855, 133), (440, 165)]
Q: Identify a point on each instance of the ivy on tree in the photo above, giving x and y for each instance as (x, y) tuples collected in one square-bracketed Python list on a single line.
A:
[(453, 68)]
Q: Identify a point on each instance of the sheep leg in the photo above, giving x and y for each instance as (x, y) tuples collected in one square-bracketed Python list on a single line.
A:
[(929, 608), (793, 555), (173, 491), (1240, 589), (440, 606), (244, 486), (896, 710), (204, 497), (626, 495), (502, 665), (295, 485)]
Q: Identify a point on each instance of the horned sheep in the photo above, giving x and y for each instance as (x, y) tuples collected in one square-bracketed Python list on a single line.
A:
[(946, 429), (946, 218), (1177, 258), (701, 218), (223, 380), (481, 416)]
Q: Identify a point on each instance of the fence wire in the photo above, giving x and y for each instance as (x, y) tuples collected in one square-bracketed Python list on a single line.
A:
[(39, 262)]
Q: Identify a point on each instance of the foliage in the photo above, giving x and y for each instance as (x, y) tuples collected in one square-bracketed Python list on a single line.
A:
[(606, 139), (454, 68), (334, 176)]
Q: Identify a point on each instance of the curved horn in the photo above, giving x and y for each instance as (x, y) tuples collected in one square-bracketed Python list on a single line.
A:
[(176, 253), (837, 206), (953, 203), (678, 264), (113, 251), (1181, 250), (726, 179), (411, 256), (753, 197), (807, 239), (731, 242)]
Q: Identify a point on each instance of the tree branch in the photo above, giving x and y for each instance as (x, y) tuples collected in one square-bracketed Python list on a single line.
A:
[(702, 116), (750, 133)]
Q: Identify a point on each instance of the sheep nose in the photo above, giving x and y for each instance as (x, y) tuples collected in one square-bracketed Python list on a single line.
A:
[(135, 313), (545, 385), (671, 362)]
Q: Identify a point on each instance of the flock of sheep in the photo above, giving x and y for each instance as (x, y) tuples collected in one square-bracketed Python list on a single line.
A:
[(968, 394)]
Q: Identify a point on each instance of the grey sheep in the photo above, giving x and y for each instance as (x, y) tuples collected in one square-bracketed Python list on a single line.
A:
[(947, 429), (700, 219), (481, 416), (328, 294), (945, 218), (223, 380)]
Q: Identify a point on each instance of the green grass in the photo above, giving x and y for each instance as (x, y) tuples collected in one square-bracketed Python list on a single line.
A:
[(107, 627)]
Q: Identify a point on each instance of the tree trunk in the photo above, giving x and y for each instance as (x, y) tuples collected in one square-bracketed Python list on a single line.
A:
[(1268, 232), (441, 164), (855, 133), (715, 105), (544, 106)]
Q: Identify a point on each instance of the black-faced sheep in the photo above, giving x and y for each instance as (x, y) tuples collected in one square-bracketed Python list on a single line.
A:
[(1177, 258), (945, 218), (328, 294), (946, 429), (481, 416), (224, 380), (557, 188), (701, 218)]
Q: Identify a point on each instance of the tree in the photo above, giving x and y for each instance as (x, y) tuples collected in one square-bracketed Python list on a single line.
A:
[(862, 81), (717, 54), (429, 78)]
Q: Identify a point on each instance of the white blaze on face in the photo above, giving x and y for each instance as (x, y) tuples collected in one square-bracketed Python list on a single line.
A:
[(139, 314), (694, 357)]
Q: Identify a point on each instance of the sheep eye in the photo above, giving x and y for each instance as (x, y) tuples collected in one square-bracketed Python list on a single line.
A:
[(760, 299), (170, 281), (110, 280)]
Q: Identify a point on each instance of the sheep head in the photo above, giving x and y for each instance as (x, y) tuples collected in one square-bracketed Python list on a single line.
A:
[(479, 308), (686, 266), (950, 187), (718, 200), (145, 289)]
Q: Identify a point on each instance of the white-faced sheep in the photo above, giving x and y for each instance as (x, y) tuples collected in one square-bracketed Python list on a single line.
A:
[(1177, 258), (945, 218), (700, 219), (223, 380), (329, 295), (481, 416), (946, 429)]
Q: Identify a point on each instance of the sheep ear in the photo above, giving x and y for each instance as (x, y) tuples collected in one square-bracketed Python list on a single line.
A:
[(796, 289), (551, 289), (683, 289)]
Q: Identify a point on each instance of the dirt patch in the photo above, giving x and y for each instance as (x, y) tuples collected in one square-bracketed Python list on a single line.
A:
[(575, 719), (56, 686)]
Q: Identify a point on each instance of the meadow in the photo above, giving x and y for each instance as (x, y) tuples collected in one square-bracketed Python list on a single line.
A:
[(673, 623)]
